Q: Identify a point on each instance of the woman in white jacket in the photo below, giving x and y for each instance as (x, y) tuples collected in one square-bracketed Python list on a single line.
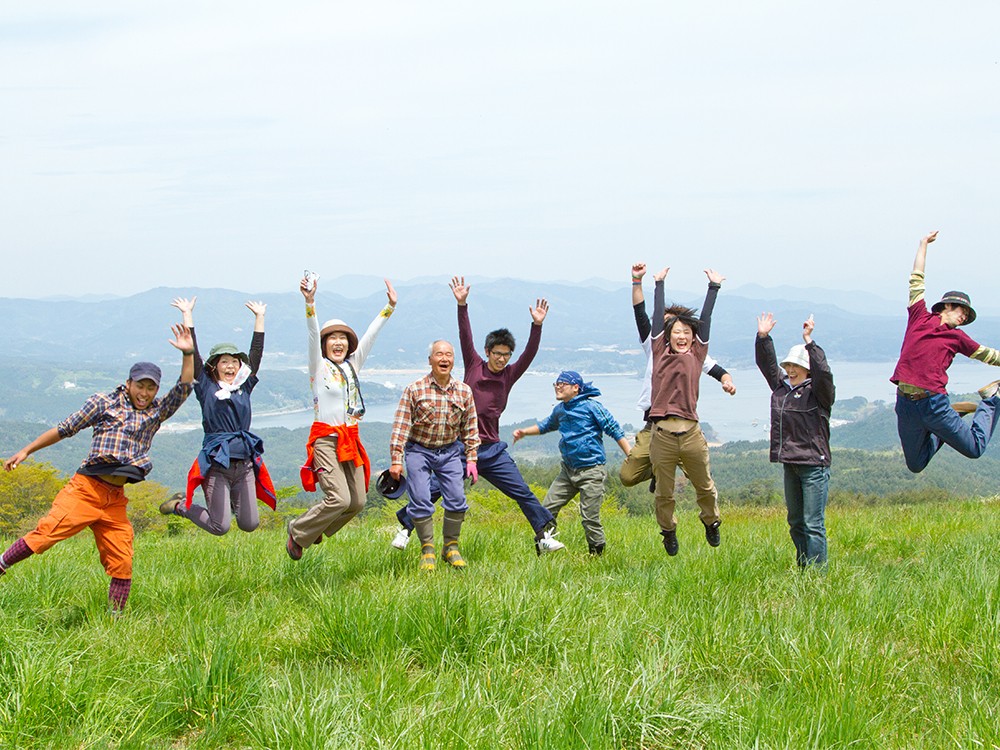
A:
[(336, 460)]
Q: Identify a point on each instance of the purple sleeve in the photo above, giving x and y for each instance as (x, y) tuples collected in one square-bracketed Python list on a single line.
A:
[(469, 356), (517, 369)]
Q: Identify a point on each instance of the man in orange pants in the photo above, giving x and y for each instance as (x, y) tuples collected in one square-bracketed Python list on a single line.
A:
[(124, 423)]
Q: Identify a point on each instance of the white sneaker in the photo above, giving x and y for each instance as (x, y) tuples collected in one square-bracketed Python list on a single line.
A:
[(402, 538), (548, 543)]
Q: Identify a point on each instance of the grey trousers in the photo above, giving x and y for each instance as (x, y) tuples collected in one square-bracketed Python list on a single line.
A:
[(228, 491), (343, 488), (589, 482)]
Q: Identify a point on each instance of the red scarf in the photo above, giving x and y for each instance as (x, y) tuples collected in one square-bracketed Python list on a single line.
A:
[(349, 448)]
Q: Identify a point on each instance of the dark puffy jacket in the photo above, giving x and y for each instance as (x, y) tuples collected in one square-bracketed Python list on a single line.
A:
[(800, 416)]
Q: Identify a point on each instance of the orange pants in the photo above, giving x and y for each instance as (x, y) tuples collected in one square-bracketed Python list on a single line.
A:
[(87, 501)]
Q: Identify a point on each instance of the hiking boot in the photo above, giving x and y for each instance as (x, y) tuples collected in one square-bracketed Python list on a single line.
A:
[(964, 407), (596, 550), (402, 538), (169, 506), (712, 534), (545, 541), (293, 548), (670, 542), (652, 484), (989, 390), (428, 560), (452, 556)]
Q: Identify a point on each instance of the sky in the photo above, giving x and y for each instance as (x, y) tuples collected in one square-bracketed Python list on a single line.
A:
[(235, 144)]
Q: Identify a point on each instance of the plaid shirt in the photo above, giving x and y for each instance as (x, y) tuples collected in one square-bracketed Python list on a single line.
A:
[(435, 417), (122, 433)]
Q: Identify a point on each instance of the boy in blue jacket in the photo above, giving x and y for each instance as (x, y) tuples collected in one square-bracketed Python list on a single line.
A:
[(582, 421)]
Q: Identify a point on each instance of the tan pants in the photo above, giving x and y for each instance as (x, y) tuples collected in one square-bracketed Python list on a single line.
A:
[(343, 488), (637, 466), (689, 450)]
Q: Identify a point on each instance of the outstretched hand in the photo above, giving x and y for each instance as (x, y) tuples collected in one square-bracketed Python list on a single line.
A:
[(257, 308), (539, 311), (518, 434), (661, 275), (459, 289), (930, 237), (807, 329), (182, 339), (714, 276), (390, 293), (765, 324), (186, 306)]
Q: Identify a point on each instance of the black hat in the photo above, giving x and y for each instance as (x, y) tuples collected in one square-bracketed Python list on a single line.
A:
[(389, 487), (956, 298)]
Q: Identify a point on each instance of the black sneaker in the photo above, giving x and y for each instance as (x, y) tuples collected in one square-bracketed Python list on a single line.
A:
[(712, 534), (670, 542), (652, 484), (596, 550)]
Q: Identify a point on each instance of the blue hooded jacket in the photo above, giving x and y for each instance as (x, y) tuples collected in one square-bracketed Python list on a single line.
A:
[(582, 422)]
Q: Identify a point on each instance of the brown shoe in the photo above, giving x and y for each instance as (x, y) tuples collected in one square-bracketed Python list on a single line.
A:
[(989, 390), (169, 506), (964, 407)]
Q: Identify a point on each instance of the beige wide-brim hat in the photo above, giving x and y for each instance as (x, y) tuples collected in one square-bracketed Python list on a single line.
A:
[(336, 325), (797, 355)]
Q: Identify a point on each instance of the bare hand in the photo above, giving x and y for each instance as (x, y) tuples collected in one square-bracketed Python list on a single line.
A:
[(396, 471), (459, 289), (661, 275), (11, 463), (257, 308), (930, 238), (390, 293), (182, 339), (184, 304), (728, 385), (539, 311), (518, 434), (308, 288), (765, 324), (807, 329), (638, 271), (714, 276)]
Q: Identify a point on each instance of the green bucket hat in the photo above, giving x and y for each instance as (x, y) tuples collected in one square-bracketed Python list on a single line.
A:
[(219, 349)]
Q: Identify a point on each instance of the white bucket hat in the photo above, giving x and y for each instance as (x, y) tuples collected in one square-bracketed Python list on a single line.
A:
[(797, 355)]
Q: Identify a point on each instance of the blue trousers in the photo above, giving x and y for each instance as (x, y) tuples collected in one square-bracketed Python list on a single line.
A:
[(806, 492), (496, 466), (424, 465), (925, 425)]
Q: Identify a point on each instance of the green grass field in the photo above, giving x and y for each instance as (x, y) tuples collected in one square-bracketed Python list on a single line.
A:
[(228, 643)]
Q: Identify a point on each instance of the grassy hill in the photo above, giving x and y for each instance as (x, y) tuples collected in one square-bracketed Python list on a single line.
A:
[(228, 643)]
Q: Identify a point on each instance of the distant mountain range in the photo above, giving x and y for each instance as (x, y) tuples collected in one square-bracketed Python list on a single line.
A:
[(589, 328)]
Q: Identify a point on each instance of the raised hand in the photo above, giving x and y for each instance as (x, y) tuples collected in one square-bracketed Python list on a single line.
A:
[(390, 293), (459, 289), (930, 237), (539, 311), (638, 271), (257, 308), (182, 339), (714, 276), (807, 329), (308, 288), (186, 306), (765, 323), (662, 274)]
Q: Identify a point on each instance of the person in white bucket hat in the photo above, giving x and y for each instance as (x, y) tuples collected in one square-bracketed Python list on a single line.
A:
[(801, 400)]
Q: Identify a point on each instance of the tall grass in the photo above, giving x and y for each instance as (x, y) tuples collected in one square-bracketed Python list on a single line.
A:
[(228, 643)]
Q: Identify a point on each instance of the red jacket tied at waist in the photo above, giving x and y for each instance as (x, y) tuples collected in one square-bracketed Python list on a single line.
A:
[(349, 448)]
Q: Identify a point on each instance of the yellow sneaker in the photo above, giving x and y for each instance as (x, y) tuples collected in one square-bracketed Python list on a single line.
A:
[(452, 556), (428, 560)]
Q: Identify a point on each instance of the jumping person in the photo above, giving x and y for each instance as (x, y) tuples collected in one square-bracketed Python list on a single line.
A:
[(638, 467), (801, 401), (491, 380), (680, 345), (582, 421), (124, 423), (434, 428), (924, 416), (335, 457), (229, 468)]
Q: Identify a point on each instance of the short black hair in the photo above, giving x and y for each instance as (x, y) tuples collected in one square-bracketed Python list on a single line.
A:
[(684, 314), (500, 336)]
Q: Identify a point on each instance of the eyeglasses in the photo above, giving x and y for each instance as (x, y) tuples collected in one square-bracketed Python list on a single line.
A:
[(501, 355), (561, 384)]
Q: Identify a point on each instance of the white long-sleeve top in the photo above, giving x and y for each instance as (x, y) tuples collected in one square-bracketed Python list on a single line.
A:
[(329, 386)]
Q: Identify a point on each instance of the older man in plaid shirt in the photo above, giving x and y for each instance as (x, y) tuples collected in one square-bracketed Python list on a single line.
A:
[(124, 423), (435, 424)]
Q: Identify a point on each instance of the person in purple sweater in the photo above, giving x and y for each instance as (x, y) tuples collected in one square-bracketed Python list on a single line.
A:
[(491, 380), (925, 418)]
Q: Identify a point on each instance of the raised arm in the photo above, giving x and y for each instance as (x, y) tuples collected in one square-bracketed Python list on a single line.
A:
[(659, 303), (185, 343), (186, 306), (519, 366), (917, 282), (639, 302), (367, 341), (764, 355), (308, 288), (715, 280), (256, 353), (466, 342)]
